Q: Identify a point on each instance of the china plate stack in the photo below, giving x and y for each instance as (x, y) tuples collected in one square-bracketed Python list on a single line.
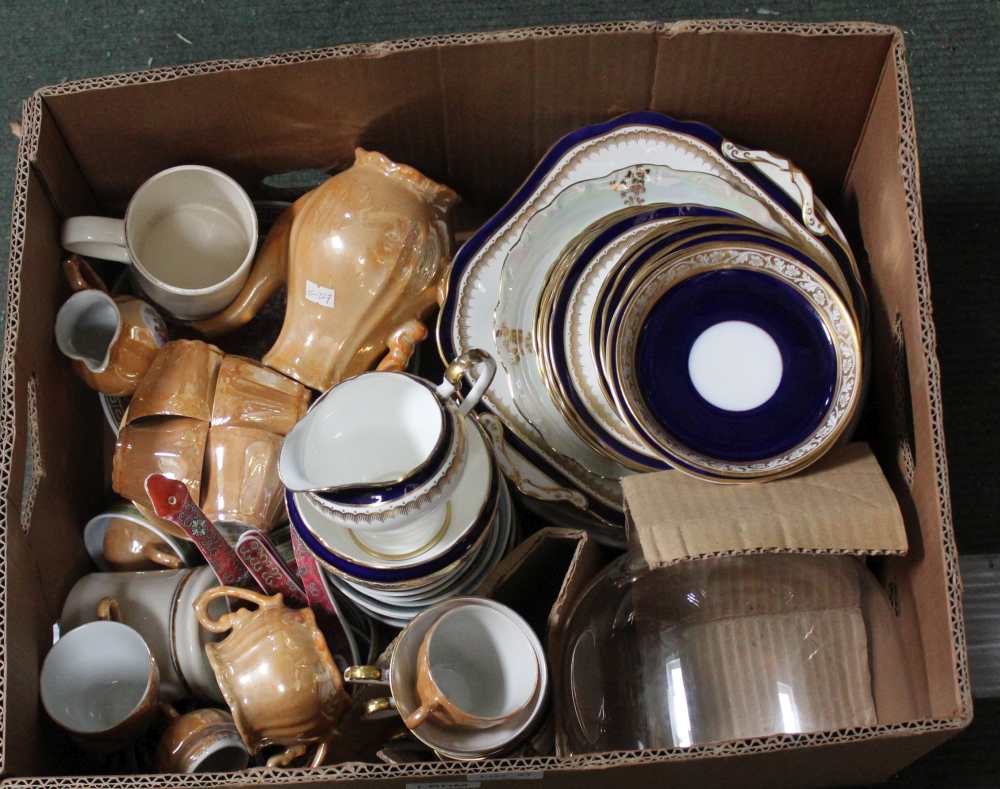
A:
[(479, 530), (594, 366)]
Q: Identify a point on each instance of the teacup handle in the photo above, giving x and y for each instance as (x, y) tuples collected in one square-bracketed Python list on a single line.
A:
[(161, 557), (108, 610), (421, 713), (293, 752), (225, 622), (96, 236), (473, 359), (81, 276), (364, 675), (377, 708)]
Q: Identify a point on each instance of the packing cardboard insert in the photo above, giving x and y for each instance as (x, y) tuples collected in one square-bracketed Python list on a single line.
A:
[(477, 113)]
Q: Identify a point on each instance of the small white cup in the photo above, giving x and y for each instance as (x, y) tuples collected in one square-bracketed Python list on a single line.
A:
[(189, 233), (384, 450), (99, 682), (159, 604)]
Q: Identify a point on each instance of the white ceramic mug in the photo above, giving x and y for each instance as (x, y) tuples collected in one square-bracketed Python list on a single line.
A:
[(159, 604), (189, 233), (99, 682)]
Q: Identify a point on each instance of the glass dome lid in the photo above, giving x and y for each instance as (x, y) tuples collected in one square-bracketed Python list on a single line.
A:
[(718, 650)]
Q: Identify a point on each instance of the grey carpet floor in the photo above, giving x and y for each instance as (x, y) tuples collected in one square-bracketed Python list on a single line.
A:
[(955, 68)]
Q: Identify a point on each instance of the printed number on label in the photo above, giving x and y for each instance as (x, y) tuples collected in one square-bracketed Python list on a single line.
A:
[(318, 294)]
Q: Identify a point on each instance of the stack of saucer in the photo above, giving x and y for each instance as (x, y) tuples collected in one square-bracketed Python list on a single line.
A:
[(694, 338), (395, 543)]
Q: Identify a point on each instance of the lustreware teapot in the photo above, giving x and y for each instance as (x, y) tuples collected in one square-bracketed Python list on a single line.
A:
[(364, 256)]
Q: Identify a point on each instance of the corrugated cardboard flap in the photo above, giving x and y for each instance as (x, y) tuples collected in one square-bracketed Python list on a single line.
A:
[(842, 505)]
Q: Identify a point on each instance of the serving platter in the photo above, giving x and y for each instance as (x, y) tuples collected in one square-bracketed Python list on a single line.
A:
[(466, 318)]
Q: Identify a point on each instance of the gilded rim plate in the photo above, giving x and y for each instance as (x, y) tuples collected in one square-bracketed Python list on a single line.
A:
[(465, 320), (790, 286)]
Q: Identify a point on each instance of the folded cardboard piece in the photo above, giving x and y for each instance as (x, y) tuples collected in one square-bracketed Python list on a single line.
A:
[(814, 624), (842, 505), (541, 579)]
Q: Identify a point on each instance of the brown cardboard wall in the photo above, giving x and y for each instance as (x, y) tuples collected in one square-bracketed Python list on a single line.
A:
[(416, 101), (415, 105), (875, 183), (45, 552), (255, 123), (774, 103)]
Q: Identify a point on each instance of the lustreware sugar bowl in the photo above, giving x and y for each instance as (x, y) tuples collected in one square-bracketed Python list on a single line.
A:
[(276, 673)]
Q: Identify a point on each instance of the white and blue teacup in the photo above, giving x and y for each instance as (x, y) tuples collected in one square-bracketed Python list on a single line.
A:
[(381, 449)]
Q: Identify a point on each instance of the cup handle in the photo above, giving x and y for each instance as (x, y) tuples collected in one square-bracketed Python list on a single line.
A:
[(421, 713), (293, 752), (376, 708), (81, 276), (169, 711), (401, 345), (96, 236), (472, 360), (225, 622), (364, 675), (108, 610), (161, 557)]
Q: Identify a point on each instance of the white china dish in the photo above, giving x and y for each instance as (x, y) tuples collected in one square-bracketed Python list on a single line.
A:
[(377, 604), (776, 286), (554, 225), (466, 319), (338, 548), (533, 258)]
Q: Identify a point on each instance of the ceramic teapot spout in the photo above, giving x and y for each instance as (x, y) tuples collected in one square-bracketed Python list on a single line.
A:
[(269, 273)]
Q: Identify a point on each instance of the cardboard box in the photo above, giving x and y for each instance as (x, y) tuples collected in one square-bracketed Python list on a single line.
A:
[(476, 112)]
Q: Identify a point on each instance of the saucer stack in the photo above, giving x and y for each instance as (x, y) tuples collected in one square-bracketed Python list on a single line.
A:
[(374, 566), (661, 298)]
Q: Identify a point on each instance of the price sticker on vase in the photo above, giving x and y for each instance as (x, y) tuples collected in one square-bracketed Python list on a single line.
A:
[(319, 294)]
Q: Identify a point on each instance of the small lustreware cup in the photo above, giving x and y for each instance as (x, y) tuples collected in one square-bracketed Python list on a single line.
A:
[(189, 234), (476, 668), (121, 538), (100, 682), (241, 482), (202, 741), (180, 382), (250, 395)]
